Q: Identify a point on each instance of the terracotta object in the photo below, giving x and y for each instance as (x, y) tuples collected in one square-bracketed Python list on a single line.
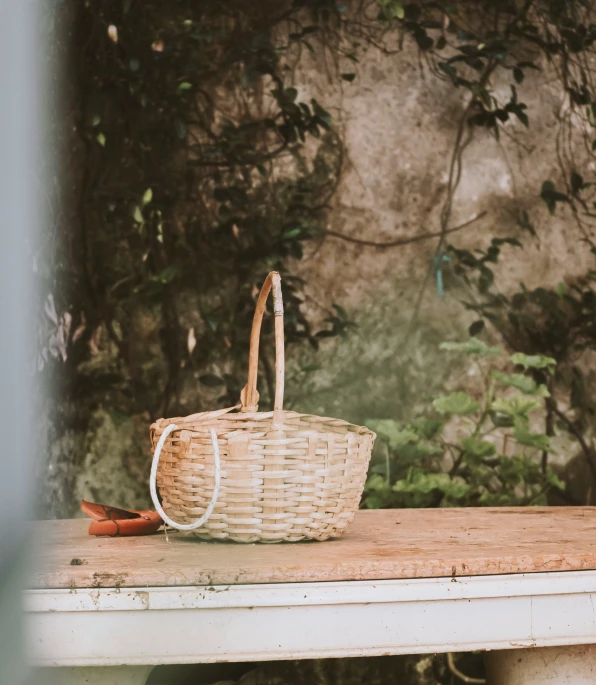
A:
[(116, 522)]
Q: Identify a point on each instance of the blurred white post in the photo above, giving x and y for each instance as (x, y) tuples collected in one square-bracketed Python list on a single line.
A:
[(21, 118)]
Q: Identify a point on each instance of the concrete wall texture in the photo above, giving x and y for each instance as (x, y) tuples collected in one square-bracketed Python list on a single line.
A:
[(399, 125)]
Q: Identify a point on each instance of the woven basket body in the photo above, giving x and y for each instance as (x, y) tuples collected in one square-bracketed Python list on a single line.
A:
[(279, 476)]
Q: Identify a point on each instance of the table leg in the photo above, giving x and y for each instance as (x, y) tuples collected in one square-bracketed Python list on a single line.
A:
[(98, 675), (570, 665)]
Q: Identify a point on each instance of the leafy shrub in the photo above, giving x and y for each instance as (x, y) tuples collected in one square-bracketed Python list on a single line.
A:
[(476, 449)]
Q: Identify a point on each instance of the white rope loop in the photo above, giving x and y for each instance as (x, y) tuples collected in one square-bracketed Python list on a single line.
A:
[(153, 482)]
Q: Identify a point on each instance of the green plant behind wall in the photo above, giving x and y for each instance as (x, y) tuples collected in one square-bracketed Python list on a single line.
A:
[(558, 322), (476, 448)]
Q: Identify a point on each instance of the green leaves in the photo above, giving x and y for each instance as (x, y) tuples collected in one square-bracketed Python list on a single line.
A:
[(451, 72), (340, 324), (298, 118), (550, 195), (516, 406), (472, 346), (165, 276), (423, 482), (534, 361), (457, 403), (137, 215), (517, 108), (398, 9), (378, 493), (427, 428), (393, 432), (536, 440), (421, 489), (553, 480), (577, 183), (289, 95), (476, 328), (429, 463), (147, 196), (525, 223), (490, 114), (520, 470), (392, 9), (478, 448), (322, 117), (293, 230), (526, 384)]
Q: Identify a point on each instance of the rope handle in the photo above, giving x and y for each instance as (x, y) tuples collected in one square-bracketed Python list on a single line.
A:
[(249, 397), (153, 481)]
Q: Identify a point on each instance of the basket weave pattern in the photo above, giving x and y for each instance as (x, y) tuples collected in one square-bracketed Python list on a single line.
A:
[(285, 476)]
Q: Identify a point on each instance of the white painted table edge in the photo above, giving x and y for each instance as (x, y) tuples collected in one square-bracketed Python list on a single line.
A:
[(206, 624)]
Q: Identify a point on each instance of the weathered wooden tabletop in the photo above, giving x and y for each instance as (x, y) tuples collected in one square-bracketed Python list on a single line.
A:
[(389, 544)]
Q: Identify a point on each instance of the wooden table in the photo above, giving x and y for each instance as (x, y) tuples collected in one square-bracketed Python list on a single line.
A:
[(106, 610)]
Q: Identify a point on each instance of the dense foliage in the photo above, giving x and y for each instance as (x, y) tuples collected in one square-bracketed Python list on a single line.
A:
[(195, 170), (468, 452)]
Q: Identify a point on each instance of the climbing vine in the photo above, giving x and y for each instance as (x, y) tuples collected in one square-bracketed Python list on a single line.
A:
[(196, 167)]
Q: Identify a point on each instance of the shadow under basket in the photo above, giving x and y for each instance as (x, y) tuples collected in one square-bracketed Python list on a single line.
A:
[(251, 476)]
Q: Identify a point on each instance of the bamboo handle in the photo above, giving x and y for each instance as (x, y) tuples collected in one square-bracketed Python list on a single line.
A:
[(249, 397)]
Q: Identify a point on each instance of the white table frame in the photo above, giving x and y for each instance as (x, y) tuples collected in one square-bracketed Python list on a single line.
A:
[(86, 633)]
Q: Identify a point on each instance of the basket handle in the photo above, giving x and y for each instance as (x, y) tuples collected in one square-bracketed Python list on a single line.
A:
[(249, 397), (153, 482)]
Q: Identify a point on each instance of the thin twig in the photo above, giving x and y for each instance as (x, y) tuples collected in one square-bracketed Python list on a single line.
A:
[(548, 430), (404, 241), (456, 155), (590, 457), (455, 169)]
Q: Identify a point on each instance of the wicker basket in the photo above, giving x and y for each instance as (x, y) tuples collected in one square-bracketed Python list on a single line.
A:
[(253, 476)]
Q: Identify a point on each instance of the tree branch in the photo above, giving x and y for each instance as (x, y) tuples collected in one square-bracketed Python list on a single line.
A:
[(590, 457)]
